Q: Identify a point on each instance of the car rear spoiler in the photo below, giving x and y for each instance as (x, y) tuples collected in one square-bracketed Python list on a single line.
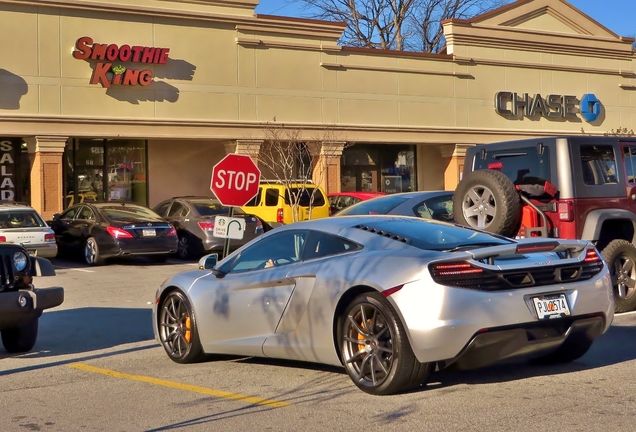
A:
[(570, 247)]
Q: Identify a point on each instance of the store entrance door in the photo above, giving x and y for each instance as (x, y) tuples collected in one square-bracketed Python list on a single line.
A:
[(360, 178)]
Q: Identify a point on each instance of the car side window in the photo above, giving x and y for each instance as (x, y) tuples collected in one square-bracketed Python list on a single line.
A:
[(438, 208), (271, 197), (320, 245), (177, 210), (256, 200), (281, 249), (599, 165), (69, 214), (629, 153), (85, 213), (162, 209)]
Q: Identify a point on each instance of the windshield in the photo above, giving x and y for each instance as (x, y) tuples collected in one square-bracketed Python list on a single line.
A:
[(381, 205), (128, 212), (212, 207)]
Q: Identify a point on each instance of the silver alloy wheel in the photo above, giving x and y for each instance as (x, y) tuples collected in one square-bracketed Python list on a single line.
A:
[(183, 247), (176, 327), (90, 251), (368, 345), (624, 276), (479, 207)]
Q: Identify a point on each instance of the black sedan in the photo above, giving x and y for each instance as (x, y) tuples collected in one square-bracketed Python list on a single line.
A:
[(193, 217), (436, 205), (99, 231)]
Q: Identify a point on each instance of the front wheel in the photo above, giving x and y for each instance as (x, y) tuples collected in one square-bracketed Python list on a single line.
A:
[(375, 350), (178, 329), (620, 256), (20, 339)]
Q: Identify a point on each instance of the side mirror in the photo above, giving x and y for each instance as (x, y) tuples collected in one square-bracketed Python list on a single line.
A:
[(208, 262), (56, 216)]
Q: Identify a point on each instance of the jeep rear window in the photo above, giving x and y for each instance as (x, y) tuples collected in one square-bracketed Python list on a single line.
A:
[(525, 167), (598, 164), (305, 197)]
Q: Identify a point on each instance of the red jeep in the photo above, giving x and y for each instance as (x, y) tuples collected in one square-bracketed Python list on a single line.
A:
[(580, 187)]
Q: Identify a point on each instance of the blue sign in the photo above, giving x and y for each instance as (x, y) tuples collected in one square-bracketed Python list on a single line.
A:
[(590, 107)]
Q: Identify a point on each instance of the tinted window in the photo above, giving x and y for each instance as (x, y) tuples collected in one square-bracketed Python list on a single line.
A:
[(525, 167), (630, 163), (598, 164), (20, 219), (162, 208), (438, 208), (212, 207), (177, 210), (85, 213), (128, 211), (435, 235), (271, 197), (256, 200), (320, 245), (284, 248), (69, 214), (374, 206), (305, 197)]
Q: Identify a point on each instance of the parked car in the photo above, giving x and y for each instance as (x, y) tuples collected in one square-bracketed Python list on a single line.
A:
[(577, 187), (193, 217), (342, 200), (273, 203), (21, 224), (436, 205), (21, 304), (388, 297), (98, 231)]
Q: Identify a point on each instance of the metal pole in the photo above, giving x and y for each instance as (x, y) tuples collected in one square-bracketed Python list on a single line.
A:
[(226, 247)]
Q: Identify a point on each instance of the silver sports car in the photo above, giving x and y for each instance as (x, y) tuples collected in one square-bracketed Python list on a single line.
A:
[(390, 298)]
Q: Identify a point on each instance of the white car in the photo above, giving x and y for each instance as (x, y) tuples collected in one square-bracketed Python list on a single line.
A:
[(21, 224)]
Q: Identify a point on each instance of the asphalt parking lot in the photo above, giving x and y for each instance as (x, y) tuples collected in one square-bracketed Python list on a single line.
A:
[(96, 366)]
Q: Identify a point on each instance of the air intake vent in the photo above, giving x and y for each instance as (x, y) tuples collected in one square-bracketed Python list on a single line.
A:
[(383, 233)]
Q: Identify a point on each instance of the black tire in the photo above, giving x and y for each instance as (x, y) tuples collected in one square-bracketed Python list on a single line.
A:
[(571, 350), (380, 362), (92, 256), (620, 256), (20, 339), (488, 200), (184, 248), (178, 330)]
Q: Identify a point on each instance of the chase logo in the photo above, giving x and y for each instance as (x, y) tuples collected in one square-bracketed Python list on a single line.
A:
[(590, 107)]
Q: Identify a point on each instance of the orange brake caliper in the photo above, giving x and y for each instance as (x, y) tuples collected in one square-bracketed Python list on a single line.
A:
[(187, 334), (360, 336)]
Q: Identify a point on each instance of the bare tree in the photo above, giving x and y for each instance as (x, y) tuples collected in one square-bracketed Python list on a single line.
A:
[(413, 25)]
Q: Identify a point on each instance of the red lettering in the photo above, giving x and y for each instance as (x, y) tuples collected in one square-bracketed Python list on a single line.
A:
[(164, 55), (157, 55), (116, 79), (145, 77), (112, 52), (148, 54), (99, 74), (131, 77), (99, 51), (125, 53), (82, 48), (137, 53)]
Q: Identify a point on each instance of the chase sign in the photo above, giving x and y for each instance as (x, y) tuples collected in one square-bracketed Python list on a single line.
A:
[(554, 106)]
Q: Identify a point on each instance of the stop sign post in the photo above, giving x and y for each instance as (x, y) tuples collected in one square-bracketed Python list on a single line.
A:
[(235, 181)]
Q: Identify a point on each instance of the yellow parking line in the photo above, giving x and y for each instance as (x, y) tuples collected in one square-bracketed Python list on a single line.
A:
[(192, 388)]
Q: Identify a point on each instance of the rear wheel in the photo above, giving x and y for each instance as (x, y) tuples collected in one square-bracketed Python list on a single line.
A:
[(488, 200), (620, 256), (91, 253), (184, 248), (178, 330), (22, 338), (375, 349)]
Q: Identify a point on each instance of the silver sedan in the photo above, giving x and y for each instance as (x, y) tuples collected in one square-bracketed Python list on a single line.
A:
[(390, 298)]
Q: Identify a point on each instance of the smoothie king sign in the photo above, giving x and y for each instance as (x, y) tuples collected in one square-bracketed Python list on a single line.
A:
[(109, 58)]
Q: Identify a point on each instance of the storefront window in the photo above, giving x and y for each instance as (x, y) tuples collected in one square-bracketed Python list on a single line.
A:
[(15, 170), (378, 168), (102, 170)]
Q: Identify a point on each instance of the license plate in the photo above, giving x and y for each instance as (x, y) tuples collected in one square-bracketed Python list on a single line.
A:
[(149, 233), (550, 307)]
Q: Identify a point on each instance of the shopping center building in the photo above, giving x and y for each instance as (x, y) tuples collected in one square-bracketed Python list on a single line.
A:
[(139, 99)]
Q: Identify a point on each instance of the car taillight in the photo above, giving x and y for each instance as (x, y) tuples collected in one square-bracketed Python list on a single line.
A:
[(280, 218), (565, 211), (118, 232), (49, 237), (3, 239), (172, 232), (536, 247), (591, 256), (206, 226), (495, 165), (455, 269), (259, 224)]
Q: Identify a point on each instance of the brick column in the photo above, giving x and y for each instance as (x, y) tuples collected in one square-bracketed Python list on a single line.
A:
[(251, 148), (326, 156), (47, 186)]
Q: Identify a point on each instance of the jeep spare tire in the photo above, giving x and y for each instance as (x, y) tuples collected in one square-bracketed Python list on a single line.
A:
[(488, 200)]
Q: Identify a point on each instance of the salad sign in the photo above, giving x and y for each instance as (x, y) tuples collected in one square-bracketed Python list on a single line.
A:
[(109, 69)]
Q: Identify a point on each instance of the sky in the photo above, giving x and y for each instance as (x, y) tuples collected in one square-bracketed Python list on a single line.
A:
[(617, 15)]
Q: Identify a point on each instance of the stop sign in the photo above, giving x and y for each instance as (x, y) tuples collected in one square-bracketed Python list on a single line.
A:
[(235, 180)]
